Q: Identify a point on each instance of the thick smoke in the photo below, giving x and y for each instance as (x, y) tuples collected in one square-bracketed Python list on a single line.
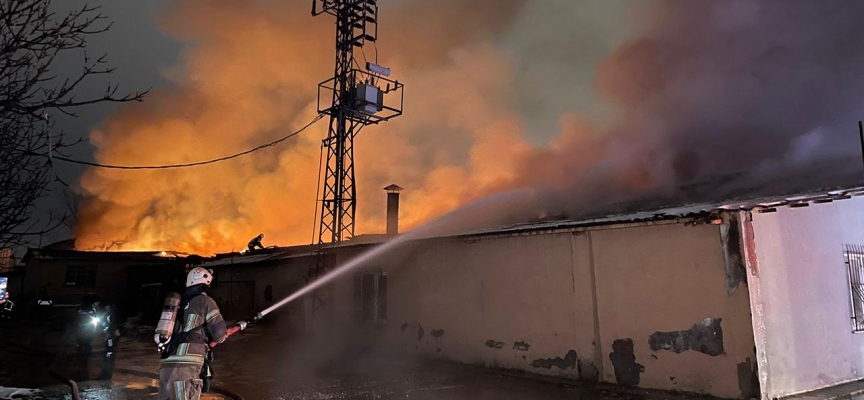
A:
[(741, 94), (700, 92), (739, 79)]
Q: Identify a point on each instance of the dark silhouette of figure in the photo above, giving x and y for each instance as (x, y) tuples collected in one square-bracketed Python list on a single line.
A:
[(256, 242), (268, 294)]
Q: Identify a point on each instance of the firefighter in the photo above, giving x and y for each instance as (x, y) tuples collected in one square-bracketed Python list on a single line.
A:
[(256, 243), (44, 299), (88, 326), (185, 370), (6, 306), (112, 336)]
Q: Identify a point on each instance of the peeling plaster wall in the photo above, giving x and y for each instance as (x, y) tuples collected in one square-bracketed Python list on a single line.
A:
[(803, 295), (576, 304), (658, 281), (505, 302)]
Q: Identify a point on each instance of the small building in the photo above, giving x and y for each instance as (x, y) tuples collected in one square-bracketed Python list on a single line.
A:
[(134, 281), (751, 298)]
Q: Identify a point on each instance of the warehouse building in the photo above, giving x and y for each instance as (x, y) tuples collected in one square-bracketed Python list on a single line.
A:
[(749, 298)]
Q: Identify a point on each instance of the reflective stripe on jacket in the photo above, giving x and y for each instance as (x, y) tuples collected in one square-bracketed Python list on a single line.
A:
[(202, 324)]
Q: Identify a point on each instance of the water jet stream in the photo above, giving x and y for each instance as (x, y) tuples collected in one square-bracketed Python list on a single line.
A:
[(479, 214)]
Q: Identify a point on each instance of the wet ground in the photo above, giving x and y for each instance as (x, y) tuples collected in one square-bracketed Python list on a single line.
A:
[(267, 363)]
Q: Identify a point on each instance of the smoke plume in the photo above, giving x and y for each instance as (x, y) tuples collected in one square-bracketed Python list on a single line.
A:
[(697, 91), (761, 90)]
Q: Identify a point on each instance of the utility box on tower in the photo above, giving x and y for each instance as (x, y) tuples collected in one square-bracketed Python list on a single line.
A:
[(370, 99)]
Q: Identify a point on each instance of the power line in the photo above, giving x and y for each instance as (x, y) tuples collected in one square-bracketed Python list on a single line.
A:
[(193, 164)]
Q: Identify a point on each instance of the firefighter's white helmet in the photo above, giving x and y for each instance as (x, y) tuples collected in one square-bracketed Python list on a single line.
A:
[(198, 275)]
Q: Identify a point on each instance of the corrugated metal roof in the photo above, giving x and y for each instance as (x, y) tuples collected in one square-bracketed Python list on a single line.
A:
[(249, 258), (761, 204), (285, 253), (143, 256)]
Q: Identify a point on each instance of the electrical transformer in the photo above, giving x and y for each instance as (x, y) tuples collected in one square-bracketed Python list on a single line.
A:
[(370, 99)]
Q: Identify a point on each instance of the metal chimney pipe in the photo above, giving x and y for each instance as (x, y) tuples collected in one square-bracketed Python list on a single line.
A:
[(392, 209)]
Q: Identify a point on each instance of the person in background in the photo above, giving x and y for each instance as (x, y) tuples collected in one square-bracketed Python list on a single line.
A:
[(43, 305), (268, 294), (88, 325), (6, 306), (256, 242), (112, 336), (44, 299)]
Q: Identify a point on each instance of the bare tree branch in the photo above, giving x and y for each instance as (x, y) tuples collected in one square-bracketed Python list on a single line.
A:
[(32, 37)]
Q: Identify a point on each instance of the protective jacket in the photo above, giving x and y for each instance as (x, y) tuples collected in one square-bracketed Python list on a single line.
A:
[(199, 322), (91, 322)]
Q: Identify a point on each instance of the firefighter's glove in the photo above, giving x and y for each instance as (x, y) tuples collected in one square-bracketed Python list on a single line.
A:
[(232, 330)]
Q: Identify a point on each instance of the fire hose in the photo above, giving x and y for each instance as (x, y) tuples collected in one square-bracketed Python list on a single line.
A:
[(239, 326), (50, 358), (73, 386)]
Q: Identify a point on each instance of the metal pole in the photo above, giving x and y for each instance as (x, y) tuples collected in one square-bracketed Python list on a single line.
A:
[(861, 134)]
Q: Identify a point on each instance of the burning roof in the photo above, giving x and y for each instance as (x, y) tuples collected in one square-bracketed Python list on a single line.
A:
[(155, 257), (693, 211)]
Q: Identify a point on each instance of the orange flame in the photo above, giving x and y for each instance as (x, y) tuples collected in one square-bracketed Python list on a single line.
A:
[(250, 75), (689, 92)]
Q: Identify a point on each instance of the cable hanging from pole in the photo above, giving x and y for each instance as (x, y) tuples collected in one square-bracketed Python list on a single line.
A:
[(192, 164)]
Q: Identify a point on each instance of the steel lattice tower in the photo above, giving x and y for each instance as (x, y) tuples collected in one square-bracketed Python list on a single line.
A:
[(353, 98)]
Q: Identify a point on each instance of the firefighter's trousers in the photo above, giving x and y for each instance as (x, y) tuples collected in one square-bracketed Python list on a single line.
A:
[(180, 382)]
